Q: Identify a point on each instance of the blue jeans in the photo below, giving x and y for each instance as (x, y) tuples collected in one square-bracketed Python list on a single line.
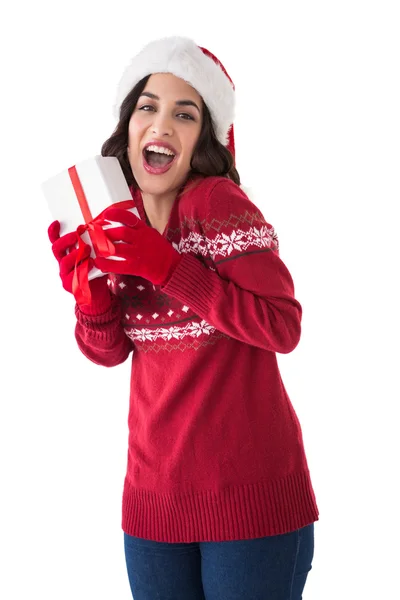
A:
[(268, 568)]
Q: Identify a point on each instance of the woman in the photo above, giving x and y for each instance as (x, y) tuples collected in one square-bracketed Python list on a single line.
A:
[(218, 502)]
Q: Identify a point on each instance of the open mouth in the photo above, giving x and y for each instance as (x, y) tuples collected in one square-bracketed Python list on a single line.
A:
[(158, 158)]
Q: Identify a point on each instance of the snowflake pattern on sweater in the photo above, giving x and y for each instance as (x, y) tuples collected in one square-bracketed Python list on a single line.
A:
[(174, 326)]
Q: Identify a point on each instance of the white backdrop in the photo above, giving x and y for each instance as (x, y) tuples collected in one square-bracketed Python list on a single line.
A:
[(317, 138)]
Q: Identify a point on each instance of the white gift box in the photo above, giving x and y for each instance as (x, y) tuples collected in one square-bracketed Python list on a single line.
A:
[(79, 194)]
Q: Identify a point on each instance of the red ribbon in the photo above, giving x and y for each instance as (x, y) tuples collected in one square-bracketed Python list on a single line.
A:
[(101, 244)]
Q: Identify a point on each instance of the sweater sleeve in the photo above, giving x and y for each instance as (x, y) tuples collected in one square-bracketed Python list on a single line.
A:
[(101, 338), (247, 293)]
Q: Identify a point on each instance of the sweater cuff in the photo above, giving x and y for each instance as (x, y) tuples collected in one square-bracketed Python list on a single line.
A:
[(101, 322), (195, 284)]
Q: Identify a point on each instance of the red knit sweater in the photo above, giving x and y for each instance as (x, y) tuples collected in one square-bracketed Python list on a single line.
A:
[(215, 447)]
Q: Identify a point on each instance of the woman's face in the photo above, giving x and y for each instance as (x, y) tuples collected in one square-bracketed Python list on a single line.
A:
[(163, 131)]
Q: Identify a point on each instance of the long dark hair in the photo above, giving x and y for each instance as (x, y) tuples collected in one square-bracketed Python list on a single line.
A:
[(210, 157)]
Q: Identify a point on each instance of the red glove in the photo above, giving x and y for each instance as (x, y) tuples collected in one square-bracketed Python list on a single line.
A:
[(65, 250), (147, 253)]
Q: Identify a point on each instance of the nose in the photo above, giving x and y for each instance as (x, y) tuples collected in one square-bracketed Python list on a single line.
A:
[(162, 125)]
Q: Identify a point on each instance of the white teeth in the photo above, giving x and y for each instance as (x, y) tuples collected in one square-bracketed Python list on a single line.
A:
[(160, 150)]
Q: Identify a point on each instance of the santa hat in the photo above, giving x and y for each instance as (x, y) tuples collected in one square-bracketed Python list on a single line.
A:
[(195, 65)]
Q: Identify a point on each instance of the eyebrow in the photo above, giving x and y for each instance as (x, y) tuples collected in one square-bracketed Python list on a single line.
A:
[(178, 102)]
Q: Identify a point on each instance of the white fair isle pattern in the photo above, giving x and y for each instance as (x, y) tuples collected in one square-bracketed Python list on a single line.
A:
[(175, 332), (223, 245), (191, 333)]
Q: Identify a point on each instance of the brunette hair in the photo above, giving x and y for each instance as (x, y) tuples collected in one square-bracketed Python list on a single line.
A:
[(209, 158)]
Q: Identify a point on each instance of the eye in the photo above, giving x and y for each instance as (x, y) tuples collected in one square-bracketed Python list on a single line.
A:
[(186, 116), (145, 107)]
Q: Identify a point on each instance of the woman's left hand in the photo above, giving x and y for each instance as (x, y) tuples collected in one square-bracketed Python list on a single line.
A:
[(146, 252)]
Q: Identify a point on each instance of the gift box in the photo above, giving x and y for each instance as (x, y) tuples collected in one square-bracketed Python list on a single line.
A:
[(77, 197)]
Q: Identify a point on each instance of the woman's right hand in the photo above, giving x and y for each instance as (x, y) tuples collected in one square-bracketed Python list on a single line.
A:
[(65, 250)]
